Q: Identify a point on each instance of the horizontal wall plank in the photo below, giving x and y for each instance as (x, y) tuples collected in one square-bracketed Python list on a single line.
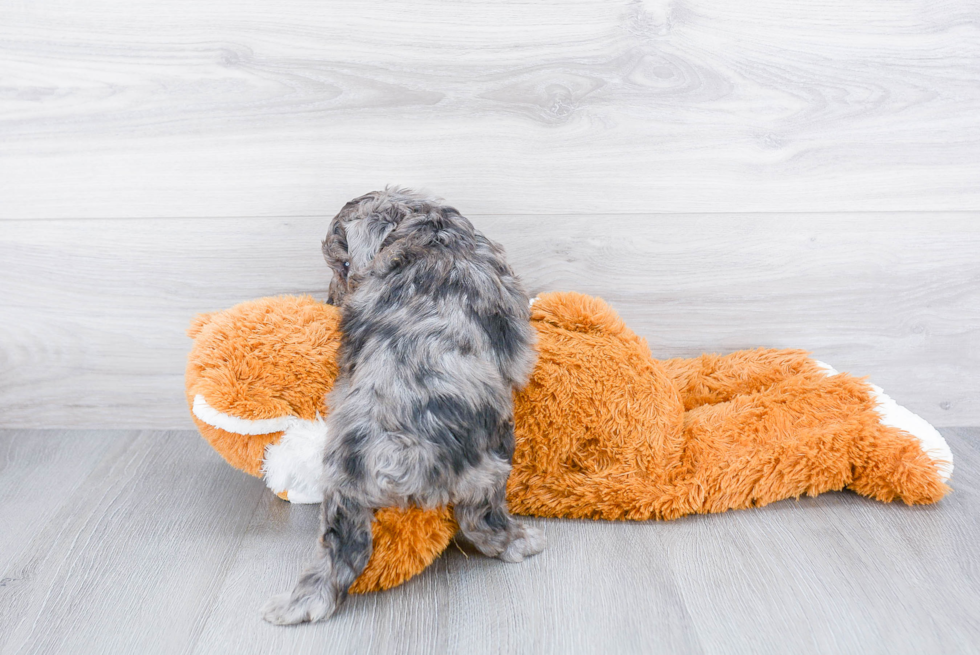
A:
[(93, 312), (111, 109)]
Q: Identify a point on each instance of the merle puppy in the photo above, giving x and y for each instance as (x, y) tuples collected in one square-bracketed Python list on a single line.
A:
[(436, 336)]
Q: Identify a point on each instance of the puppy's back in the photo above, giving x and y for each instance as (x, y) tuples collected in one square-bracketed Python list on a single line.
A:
[(440, 283), (436, 336)]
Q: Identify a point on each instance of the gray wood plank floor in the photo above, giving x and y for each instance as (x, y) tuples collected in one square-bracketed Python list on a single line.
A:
[(145, 542)]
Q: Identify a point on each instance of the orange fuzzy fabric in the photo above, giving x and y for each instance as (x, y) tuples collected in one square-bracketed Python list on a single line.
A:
[(603, 430), (262, 359), (278, 357)]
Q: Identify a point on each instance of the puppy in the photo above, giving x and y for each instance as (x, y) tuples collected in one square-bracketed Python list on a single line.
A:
[(436, 337)]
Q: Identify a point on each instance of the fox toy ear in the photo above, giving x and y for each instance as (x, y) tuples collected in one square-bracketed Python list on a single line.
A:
[(197, 324), (579, 313)]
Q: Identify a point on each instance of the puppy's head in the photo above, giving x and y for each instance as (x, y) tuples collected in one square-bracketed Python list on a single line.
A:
[(359, 232)]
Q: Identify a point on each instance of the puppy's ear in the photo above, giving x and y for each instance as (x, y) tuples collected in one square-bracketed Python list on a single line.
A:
[(405, 240), (337, 290), (366, 237)]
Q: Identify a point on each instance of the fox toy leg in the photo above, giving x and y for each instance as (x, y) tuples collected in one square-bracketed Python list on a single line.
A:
[(804, 434), (711, 379)]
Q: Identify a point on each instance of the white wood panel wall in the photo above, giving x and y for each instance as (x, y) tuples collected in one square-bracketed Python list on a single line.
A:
[(94, 311), (726, 174), (115, 108)]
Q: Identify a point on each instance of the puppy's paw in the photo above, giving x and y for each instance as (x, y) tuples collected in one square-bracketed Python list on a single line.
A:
[(284, 609), (531, 542)]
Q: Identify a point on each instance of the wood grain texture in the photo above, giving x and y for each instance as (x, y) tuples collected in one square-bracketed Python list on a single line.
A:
[(134, 556), (163, 548), (93, 313), (183, 109), (39, 473)]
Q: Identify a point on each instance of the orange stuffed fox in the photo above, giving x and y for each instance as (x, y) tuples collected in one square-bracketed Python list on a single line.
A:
[(603, 430)]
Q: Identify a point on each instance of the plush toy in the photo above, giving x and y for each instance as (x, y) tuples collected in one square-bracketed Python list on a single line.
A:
[(603, 430)]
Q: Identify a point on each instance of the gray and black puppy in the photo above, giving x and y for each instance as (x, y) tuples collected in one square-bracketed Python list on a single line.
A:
[(436, 336)]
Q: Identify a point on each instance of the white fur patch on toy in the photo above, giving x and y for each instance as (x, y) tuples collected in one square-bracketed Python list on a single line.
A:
[(895, 415), (294, 463), (235, 425)]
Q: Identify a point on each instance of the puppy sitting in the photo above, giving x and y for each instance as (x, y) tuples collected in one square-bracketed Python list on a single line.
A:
[(436, 336)]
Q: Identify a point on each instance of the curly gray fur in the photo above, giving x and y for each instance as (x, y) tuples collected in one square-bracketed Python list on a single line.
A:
[(436, 336)]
